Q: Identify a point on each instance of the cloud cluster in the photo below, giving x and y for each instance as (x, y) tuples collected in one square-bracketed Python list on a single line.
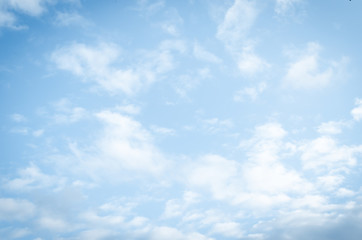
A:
[(270, 177), (101, 64), (309, 71), (234, 32), (9, 9)]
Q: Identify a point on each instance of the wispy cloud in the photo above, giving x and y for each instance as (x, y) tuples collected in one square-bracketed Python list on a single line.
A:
[(234, 30), (251, 93), (309, 71), (66, 19), (16, 209), (237, 22), (284, 6), (11, 10), (101, 64), (16, 117), (357, 111), (332, 127), (95, 64), (204, 55), (250, 63)]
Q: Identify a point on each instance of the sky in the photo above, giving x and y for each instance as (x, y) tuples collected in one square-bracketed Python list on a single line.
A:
[(183, 120)]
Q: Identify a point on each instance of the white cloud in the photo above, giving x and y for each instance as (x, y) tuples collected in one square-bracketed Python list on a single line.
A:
[(53, 223), (325, 153), (125, 144), (307, 224), (10, 9), (170, 29), (20, 233), (166, 233), (103, 220), (228, 229), (329, 182), (29, 7), (95, 64), (251, 93), (163, 130), (148, 9), (66, 113), (16, 209), (70, 18), (273, 179), (264, 172), (100, 65), (330, 127), (187, 82), (233, 32), (357, 111), (237, 21), (177, 207), (249, 63), (283, 6), (214, 173), (138, 221), (33, 178), (129, 109), (38, 133), (121, 149), (16, 117), (216, 125), (308, 70), (20, 130), (204, 55), (259, 182), (172, 23), (97, 234), (344, 192), (173, 209), (7, 19)]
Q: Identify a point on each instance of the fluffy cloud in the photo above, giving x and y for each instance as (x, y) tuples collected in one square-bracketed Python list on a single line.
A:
[(95, 64), (237, 21), (53, 224), (324, 153), (260, 181), (249, 63), (228, 229), (331, 127), (233, 32), (165, 233), (308, 70), (126, 144), (99, 64), (357, 111), (30, 7), (123, 149), (313, 225), (214, 173)]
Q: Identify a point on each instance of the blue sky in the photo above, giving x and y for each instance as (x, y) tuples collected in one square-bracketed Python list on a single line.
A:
[(185, 120)]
